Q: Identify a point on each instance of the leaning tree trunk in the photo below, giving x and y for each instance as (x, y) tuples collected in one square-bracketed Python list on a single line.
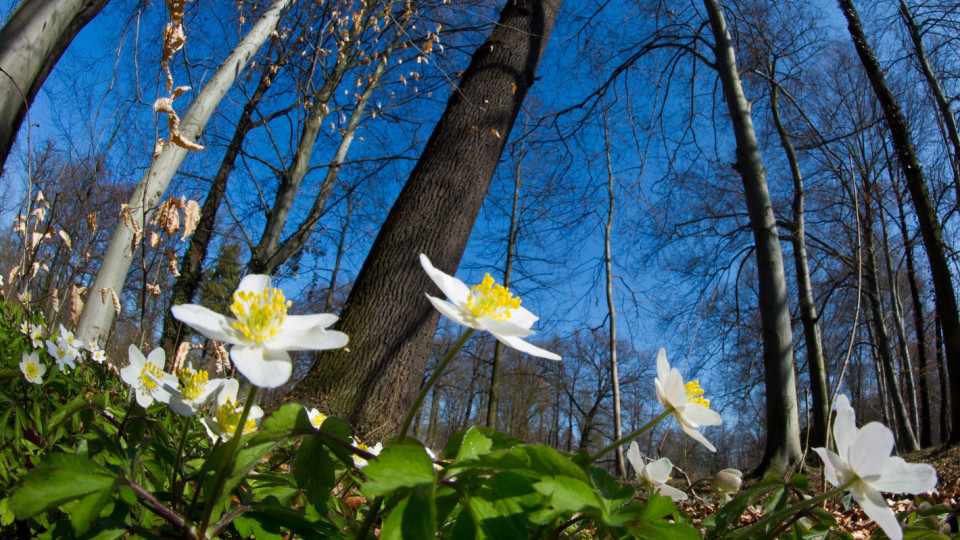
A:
[(927, 218), (783, 447), (390, 323), (820, 406), (31, 43), (98, 313)]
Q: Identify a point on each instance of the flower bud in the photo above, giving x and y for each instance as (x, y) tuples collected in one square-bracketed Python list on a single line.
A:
[(727, 482)]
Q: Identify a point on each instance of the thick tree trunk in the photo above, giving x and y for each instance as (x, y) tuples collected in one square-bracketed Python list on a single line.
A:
[(98, 313), (782, 412), (390, 323), (31, 43), (926, 213), (820, 406), (191, 265)]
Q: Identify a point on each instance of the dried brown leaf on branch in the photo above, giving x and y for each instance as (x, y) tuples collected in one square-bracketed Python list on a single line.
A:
[(76, 302), (153, 289), (167, 216), (191, 217), (165, 106), (92, 222), (172, 263)]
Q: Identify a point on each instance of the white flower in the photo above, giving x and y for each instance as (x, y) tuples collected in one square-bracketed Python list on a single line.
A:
[(71, 340), (62, 355), (36, 335), (487, 306), (25, 328), (655, 474), (316, 417), (433, 458), (863, 455), (31, 367), (96, 353), (146, 376), (727, 482), (262, 332), (226, 421), (358, 461), (193, 388), (689, 406)]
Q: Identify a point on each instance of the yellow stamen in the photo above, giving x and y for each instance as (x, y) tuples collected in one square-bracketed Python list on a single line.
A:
[(192, 383), (228, 416), (695, 393), (259, 315), (317, 419), (145, 379), (33, 370), (487, 299)]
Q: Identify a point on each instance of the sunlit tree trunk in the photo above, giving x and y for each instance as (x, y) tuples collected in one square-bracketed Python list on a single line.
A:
[(782, 411), (31, 42), (926, 213), (98, 313), (390, 323)]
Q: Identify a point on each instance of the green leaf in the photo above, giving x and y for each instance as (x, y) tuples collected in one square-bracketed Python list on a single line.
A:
[(76, 404), (60, 479), (569, 494), (398, 467), (313, 470), (414, 516), (88, 508)]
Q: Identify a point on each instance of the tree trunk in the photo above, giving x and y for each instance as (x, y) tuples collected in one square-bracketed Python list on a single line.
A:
[(820, 406), (782, 412), (31, 43), (946, 420), (926, 213), (98, 313), (191, 265), (390, 323)]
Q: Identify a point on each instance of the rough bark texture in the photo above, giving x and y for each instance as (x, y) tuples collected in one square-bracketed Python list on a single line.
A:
[(390, 322), (820, 406), (98, 313), (929, 221), (783, 447), (31, 43)]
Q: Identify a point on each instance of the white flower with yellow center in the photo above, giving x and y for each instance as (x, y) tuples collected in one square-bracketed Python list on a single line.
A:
[(71, 341), (685, 401), (193, 389), (316, 417), (31, 367), (146, 376), (261, 332), (359, 461), (63, 355), (36, 335), (863, 457), (654, 475), (25, 328), (487, 306), (226, 419), (96, 353)]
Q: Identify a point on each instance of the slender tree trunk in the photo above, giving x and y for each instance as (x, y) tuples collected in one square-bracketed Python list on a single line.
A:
[(390, 322), (946, 419), (341, 249), (434, 412), (926, 419), (882, 338), (782, 411), (191, 265), (943, 105), (820, 406), (98, 313), (926, 213), (31, 43)]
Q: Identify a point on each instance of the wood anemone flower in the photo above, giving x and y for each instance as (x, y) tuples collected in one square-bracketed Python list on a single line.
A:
[(655, 474), (226, 419), (684, 401), (863, 458), (487, 306), (261, 332), (146, 376)]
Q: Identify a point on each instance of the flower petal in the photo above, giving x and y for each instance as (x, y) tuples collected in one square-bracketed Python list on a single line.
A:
[(659, 471), (697, 436), (207, 322), (844, 426), (228, 390), (455, 290), (672, 492), (255, 283), (870, 450), (832, 464), (529, 348), (450, 311), (875, 506), (136, 357), (901, 477), (698, 414), (663, 367), (306, 333), (522, 317), (633, 456), (157, 357), (503, 328), (263, 367)]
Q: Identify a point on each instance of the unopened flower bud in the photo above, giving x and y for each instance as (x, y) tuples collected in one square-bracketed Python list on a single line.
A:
[(727, 482)]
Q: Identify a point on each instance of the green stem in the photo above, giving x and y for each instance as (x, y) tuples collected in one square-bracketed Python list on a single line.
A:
[(176, 461), (227, 462), (369, 519), (431, 381), (754, 530), (613, 446)]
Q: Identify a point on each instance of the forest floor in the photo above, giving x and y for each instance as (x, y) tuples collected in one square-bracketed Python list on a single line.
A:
[(853, 520)]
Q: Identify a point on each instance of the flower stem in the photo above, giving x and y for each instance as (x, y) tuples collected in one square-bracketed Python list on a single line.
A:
[(176, 464), (757, 528), (431, 381), (613, 446), (221, 475)]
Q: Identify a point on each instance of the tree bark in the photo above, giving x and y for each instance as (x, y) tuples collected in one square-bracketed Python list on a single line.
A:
[(390, 322), (782, 412), (820, 406), (98, 313), (31, 43), (929, 221)]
